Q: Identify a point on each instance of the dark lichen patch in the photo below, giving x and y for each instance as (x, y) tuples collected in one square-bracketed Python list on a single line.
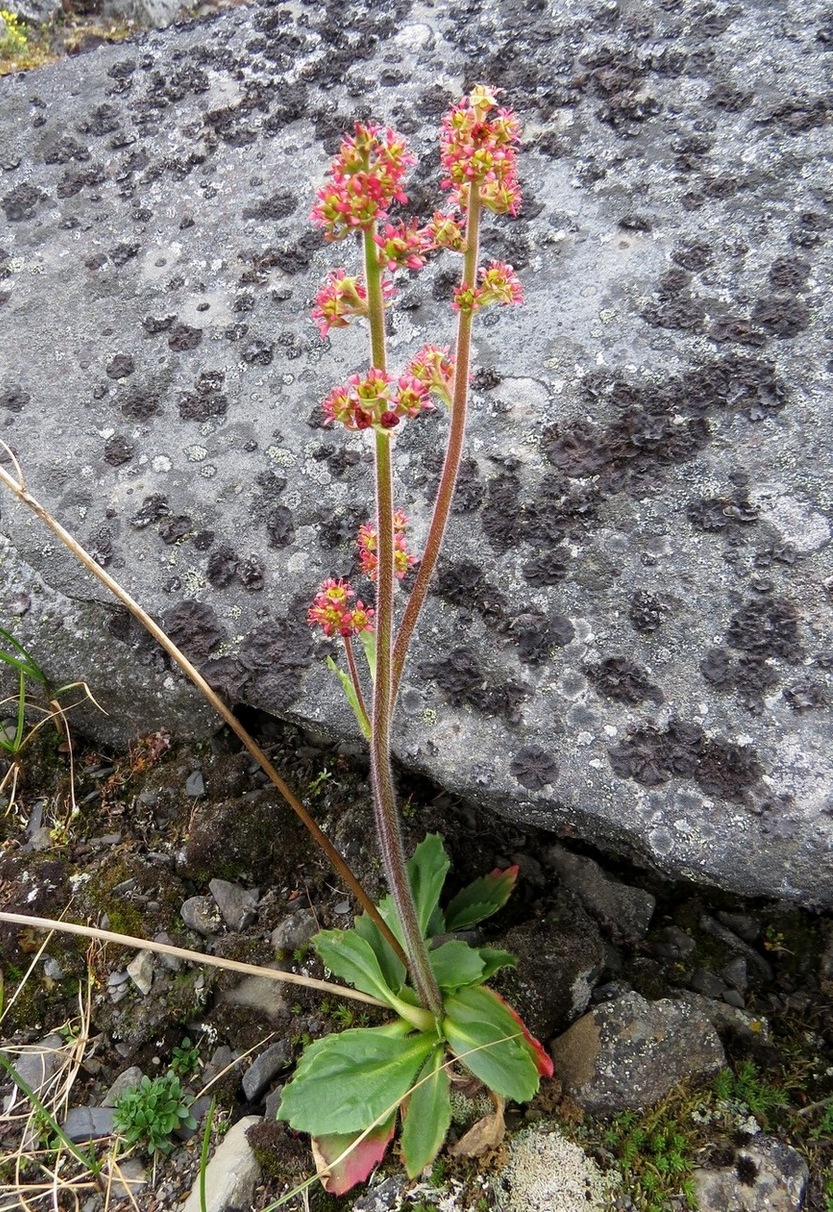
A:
[(767, 629), (120, 366), (805, 695), (534, 768), (14, 398), (720, 513), (23, 202), (153, 507), (118, 450), (194, 627), (537, 634), (787, 275), (623, 681), (501, 517), (275, 655), (651, 756), (280, 527), (463, 584), (222, 567), (548, 568), (279, 205), (184, 337), (751, 677), (175, 529), (646, 611), (251, 573), (141, 403), (463, 681), (781, 315)]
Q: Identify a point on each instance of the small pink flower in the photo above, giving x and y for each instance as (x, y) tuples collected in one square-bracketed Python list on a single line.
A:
[(433, 367), (338, 301), (332, 612), (375, 399), (447, 231), (403, 245), (499, 284)]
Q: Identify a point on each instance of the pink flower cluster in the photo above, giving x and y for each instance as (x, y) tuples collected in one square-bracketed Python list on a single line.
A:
[(498, 284), (477, 147), (332, 612), (366, 177), (368, 548), (376, 399)]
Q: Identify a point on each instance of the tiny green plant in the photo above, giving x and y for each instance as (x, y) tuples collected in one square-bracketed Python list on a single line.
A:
[(745, 1084), (147, 1115), (185, 1059)]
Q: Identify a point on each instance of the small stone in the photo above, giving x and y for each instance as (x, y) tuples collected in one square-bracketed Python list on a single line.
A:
[(295, 931), (232, 1174), (125, 1081), (201, 914), (236, 904), (195, 784), (705, 982), (126, 1179), (36, 1064), (733, 998), (140, 971), (273, 1104), (618, 907), (256, 1079), (171, 962), (341, 907), (88, 1123), (735, 973), (732, 1020)]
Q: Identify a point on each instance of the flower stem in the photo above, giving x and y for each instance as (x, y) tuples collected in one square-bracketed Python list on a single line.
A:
[(354, 678), (381, 772), (453, 454)]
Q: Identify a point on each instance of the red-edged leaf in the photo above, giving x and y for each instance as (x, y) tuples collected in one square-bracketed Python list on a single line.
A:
[(339, 1176), (480, 899), (542, 1058)]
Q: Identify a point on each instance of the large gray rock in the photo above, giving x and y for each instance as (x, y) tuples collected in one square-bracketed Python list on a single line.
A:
[(631, 636)]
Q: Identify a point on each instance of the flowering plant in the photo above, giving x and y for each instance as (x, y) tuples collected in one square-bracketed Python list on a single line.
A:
[(435, 988)]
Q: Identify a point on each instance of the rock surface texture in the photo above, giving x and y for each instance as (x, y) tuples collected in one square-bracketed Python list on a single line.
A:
[(630, 638)]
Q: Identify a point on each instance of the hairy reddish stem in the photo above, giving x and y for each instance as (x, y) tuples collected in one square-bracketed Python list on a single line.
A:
[(453, 454)]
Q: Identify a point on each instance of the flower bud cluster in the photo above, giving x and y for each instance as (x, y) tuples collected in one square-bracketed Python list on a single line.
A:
[(498, 284), (333, 613), (368, 548), (366, 177), (376, 399), (477, 147)]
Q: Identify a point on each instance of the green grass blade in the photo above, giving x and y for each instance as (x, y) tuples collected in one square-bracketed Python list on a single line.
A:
[(206, 1143)]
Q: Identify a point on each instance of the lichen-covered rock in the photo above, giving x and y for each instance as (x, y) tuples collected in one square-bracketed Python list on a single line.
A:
[(768, 1176), (630, 638), (630, 1053)]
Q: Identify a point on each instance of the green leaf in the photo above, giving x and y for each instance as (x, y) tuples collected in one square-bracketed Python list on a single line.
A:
[(483, 1033), (367, 639), (352, 698), (456, 964), (426, 1115), (480, 899), (393, 970), (494, 960), (24, 662), (427, 870), (352, 958), (344, 1083)]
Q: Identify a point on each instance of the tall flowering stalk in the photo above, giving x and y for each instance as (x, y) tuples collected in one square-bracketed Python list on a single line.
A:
[(477, 144)]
